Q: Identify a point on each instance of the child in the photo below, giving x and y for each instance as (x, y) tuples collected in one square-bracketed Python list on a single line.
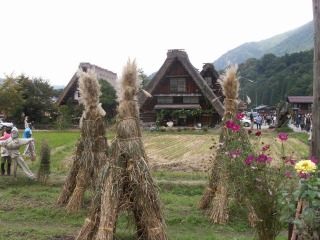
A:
[(5, 157), (13, 144)]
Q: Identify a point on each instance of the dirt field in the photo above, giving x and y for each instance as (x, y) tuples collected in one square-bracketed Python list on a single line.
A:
[(192, 153), (186, 153)]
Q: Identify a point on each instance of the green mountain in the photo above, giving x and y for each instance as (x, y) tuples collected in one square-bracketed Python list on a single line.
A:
[(271, 79), (297, 40)]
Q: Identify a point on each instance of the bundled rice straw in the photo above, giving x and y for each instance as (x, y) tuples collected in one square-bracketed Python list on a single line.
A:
[(127, 183), (91, 150), (222, 180), (44, 169)]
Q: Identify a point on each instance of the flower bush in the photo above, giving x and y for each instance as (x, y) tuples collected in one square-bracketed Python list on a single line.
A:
[(302, 207), (264, 174), (267, 174), (271, 184)]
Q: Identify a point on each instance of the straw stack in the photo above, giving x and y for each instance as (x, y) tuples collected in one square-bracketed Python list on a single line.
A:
[(127, 183), (44, 169), (223, 179), (91, 150)]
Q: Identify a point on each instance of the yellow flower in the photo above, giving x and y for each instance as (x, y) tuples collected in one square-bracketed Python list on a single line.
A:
[(305, 166)]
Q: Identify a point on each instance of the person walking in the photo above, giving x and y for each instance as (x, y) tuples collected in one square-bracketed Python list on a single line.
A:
[(259, 121), (308, 122), (13, 144), (252, 120), (5, 157)]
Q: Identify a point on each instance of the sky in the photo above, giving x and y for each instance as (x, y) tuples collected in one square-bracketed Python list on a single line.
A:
[(50, 38)]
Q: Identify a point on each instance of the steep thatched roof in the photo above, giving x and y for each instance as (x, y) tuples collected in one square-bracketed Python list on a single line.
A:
[(209, 67), (181, 55), (73, 85), (68, 90)]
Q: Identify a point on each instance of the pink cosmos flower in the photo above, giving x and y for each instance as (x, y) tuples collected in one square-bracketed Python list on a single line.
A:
[(240, 115), (304, 175), (258, 134), (290, 161), (258, 179), (265, 148), (233, 126), (259, 187), (283, 136), (314, 160), (229, 124), (270, 192), (249, 160), (262, 158), (269, 159)]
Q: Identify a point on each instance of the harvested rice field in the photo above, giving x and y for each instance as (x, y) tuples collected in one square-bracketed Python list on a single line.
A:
[(179, 163)]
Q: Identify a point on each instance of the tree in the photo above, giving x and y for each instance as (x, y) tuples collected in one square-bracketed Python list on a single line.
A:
[(143, 78), (108, 98), (11, 98), (38, 95), (64, 118)]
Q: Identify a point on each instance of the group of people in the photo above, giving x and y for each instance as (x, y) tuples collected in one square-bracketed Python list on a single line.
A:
[(303, 121), (259, 120), (10, 144)]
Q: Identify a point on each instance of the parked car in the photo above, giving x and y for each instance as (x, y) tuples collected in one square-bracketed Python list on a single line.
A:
[(245, 121), (5, 124)]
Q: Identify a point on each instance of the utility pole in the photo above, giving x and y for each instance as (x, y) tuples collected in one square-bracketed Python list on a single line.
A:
[(255, 85), (315, 145)]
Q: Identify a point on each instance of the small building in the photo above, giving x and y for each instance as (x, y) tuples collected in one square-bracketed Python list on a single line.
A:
[(182, 94), (265, 110), (71, 91), (301, 104)]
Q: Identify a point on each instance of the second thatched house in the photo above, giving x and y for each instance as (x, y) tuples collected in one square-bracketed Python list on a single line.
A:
[(71, 91), (181, 94)]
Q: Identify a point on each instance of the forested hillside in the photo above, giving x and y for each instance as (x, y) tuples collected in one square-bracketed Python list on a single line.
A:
[(300, 39), (274, 78)]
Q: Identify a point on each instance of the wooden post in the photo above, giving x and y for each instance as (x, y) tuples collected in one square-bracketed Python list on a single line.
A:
[(315, 144), (315, 147), (296, 217)]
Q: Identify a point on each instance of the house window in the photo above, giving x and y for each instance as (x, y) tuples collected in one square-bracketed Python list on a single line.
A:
[(295, 105), (190, 99), (76, 95), (177, 84), (165, 100)]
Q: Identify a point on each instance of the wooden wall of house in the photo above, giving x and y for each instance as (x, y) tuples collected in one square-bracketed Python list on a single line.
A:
[(177, 69)]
